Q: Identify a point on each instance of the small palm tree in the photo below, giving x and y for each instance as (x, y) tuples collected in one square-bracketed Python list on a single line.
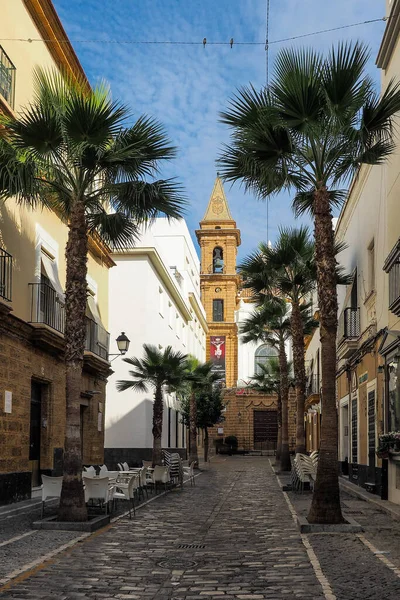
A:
[(198, 376), (155, 370), (271, 324), (72, 150), (310, 131), (288, 268), (209, 408)]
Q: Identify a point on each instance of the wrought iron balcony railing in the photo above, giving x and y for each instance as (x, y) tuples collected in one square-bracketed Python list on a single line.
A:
[(313, 385), (7, 78), (5, 275), (349, 324), (97, 339), (46, 308)]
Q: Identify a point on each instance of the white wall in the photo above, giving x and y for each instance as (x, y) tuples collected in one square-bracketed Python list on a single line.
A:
[(136, 286)]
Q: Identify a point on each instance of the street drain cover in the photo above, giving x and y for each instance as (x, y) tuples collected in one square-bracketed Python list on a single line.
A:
[(191, 546), (177, 563)]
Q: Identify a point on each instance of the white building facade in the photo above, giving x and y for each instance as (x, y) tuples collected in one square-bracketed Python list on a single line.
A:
[(155, 299)]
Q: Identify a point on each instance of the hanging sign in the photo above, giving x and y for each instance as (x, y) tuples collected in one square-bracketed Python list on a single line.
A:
[(217, 354)]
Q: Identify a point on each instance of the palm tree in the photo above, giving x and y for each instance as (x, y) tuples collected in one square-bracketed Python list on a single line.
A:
[(72, 150), (310, 131), (209, 408), (288, 268), (271, 324), (198, 376), (156, 370)]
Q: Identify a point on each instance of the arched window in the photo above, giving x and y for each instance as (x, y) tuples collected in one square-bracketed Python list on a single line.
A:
[(262, 356), (218, 260), (217, 227)]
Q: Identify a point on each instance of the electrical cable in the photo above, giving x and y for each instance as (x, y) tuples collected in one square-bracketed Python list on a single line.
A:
[(199, 43)]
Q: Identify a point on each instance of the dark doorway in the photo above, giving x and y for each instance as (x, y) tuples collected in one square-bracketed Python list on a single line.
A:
[(82, 424), (265, 429), (35, 428)]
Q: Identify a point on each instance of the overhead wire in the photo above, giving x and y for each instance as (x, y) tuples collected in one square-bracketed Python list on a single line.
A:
[(230, 43)]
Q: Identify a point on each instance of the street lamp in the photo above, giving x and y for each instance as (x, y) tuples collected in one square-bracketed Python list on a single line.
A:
[(123, 345)]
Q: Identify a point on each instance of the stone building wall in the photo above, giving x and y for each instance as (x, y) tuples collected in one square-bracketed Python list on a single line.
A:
[(22, 361)]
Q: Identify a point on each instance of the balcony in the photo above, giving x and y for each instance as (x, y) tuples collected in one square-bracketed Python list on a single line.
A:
[(5, 275), (392, 267), (48, 320), (7, 78), (313, 389), (348, 332)]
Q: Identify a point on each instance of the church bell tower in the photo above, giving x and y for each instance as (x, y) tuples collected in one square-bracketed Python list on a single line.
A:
[(219, 239)]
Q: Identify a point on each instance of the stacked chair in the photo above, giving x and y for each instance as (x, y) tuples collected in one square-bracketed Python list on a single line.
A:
[(304, 471)]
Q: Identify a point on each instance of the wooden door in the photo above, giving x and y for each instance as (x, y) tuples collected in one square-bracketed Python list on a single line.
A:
[(265, 429)]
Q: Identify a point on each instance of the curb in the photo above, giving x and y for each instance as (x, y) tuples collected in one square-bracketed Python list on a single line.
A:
[(377, 503)]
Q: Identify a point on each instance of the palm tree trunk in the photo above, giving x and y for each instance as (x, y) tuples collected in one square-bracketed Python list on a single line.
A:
[(325, 507), (299, 374), (193, 455), (279, 440), (283, 368), (206, 444), (158, 409), (72, 501)]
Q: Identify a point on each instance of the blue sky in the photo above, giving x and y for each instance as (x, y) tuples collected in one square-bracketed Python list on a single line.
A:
[(185, 87)]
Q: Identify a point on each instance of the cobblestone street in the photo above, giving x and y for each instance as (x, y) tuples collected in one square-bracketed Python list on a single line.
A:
[(232, 536)]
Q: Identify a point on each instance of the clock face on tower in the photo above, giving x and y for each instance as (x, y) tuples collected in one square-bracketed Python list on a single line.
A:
[(217, 205)]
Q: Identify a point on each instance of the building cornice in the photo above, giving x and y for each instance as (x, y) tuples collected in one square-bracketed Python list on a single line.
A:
[(390, 36), (213, 233), (98, 248), (48, 23), (162, 272), (198, 311)]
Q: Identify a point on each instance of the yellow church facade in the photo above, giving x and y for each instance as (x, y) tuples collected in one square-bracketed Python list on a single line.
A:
[(249, 415)]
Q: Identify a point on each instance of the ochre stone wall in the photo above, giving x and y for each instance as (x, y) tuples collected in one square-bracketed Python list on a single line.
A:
[(21, 362), (239, 416)]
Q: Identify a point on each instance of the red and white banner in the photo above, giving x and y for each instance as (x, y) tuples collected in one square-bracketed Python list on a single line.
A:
[(217, 354)]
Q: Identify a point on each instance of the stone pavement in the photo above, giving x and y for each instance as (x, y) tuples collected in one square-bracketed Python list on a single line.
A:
[(232, 536)]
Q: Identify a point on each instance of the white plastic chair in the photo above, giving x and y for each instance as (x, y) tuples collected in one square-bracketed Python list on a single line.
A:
[(189, 472), (98, 489), (126, 491), (125, 466), (91, 471), (51, 488), (161, 475), (120, 467), (103, 469)]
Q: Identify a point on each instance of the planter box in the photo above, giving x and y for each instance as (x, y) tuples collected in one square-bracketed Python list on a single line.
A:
[(51, 523)]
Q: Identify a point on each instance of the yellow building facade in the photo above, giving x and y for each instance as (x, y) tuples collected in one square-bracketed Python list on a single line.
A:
[(32, 284)]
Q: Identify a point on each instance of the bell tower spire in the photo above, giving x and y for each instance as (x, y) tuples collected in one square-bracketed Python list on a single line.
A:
[(219, 239)]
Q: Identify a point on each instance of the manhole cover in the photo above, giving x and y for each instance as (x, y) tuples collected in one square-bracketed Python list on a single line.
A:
[(176, 563)]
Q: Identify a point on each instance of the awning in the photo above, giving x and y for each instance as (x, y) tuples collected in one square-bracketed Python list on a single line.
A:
[(390, 341), (50, 268)]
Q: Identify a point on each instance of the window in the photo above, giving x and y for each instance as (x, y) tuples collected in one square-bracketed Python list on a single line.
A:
[(264, 354), (161, 302), (392, 267), (177, 325), (354, 430), (371, 266), (170, 314), (354, 292), (218, 260), (393, 394), (7, 78), (218, 310), (5, 275)]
